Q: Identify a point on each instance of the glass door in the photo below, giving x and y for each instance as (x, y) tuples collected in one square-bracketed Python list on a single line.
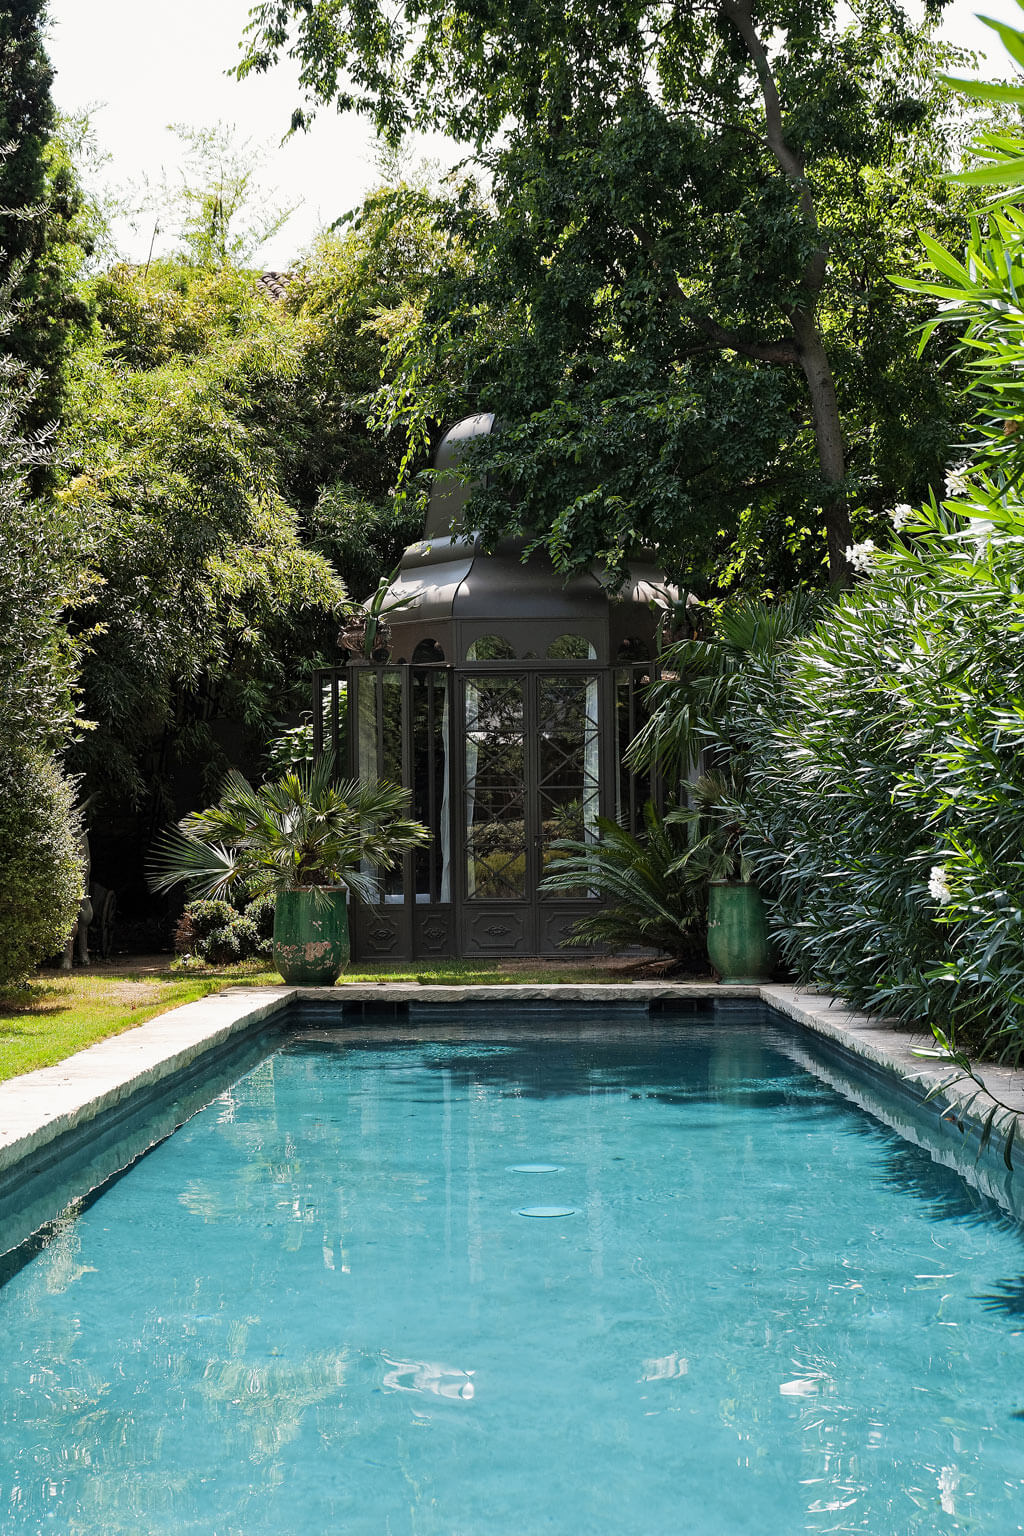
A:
[(530, 777)]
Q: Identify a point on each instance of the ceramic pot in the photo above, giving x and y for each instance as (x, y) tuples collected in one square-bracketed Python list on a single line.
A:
[(311, 947), (738, 945)]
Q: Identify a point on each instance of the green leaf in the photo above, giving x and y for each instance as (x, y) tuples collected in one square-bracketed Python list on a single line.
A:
[(986, 1131), (1012, 39), (984, 90), (1001, 173)]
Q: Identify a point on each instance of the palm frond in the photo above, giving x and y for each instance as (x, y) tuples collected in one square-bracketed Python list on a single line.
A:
[(302, 829)]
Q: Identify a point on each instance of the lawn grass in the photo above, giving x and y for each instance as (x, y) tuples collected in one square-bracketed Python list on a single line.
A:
[(58, 1013)]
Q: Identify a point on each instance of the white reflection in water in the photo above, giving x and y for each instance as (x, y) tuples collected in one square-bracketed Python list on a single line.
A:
[(665, 1368), (425, 1376)]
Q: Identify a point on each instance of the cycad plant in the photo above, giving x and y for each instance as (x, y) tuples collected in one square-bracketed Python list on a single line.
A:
[(647, 902), (693, 725), (304, 830)]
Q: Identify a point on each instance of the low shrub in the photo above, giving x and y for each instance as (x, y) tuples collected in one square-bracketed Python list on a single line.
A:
[(218, 933), (40, 863), (649, 901)]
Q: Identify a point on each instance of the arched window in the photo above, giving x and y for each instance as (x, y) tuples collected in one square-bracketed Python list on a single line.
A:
[(571, 648), (491, 648), (427, 651)]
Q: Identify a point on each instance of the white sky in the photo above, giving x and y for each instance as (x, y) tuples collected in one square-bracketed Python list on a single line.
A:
[(140, 66)]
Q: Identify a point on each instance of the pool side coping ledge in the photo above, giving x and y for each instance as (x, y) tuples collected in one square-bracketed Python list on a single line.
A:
[(39, 1107)]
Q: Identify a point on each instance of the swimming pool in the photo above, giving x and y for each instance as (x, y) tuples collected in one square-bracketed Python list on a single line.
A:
[(317, 1306)]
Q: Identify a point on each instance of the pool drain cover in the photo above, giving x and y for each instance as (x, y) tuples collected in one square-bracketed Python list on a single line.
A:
[(548, 1210), (535, 1168)]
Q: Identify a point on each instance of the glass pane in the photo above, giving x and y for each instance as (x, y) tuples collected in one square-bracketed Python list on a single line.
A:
[(495, 790), (491, 648), (567, 779), (630, 714), (332, 704), (379, 711), (365, 681), (571, 648)]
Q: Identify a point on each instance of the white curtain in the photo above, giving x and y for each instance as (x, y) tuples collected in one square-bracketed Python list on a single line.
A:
[(472, 754), (446, 785)]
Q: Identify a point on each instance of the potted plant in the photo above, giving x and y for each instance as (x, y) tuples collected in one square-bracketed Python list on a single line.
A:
[(690, 737), (305, 838), (365, 630), (738, 943)]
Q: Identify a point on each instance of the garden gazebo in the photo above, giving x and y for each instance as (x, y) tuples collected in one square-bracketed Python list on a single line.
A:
[(506, 700)]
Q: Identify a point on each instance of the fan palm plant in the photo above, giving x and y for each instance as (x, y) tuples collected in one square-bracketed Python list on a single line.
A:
[(305, 838), (693, 726), (690, 702), (304, 830)]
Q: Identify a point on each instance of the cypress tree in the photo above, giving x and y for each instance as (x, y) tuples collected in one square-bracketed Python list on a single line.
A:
[(41, 224)]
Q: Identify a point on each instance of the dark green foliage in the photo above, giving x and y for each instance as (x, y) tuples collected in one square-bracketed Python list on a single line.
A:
[(220, 450), (210, 606), (40, 867), (648, 902), (677, 301), (41, 544), (690, 722), (218, 933), (39, 584), (360, 538), (43, 234), (885, 791)]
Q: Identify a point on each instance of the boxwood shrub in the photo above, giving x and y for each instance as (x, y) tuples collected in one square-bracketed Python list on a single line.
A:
[(40, 864)]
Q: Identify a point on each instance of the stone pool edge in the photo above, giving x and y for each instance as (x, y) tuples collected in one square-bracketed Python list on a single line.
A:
[(38, 1107)]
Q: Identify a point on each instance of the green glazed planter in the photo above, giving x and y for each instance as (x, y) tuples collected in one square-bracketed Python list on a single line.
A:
[(311, 947), (738, 945)]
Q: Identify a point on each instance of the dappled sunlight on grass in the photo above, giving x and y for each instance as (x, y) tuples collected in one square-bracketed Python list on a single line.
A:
[(58, 1013), (53, 1016)]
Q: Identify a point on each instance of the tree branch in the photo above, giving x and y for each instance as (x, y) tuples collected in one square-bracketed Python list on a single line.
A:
[(789, 159), (784, 352)]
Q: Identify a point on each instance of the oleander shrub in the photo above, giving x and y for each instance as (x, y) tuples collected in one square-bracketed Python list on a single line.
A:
[(885, 793), (40, 865)]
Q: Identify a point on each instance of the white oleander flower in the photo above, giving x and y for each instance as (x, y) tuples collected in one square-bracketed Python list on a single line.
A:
[(956, 481), (981, 535), (938, 889), (900, 516), (861, 556)]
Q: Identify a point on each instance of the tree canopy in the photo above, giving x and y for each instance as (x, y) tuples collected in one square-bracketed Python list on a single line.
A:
[(678, 302)]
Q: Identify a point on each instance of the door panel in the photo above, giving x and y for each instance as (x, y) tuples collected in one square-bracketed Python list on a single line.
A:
[(530, 776)]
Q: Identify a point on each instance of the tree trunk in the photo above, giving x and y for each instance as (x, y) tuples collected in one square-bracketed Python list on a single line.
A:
[(810, 348), (828, 432)]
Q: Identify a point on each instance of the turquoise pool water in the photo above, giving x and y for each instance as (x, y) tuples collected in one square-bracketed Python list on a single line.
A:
[(316, 1308)]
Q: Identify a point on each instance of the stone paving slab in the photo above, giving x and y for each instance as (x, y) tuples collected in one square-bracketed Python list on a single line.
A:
[(522, 991), (878, 1043)]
